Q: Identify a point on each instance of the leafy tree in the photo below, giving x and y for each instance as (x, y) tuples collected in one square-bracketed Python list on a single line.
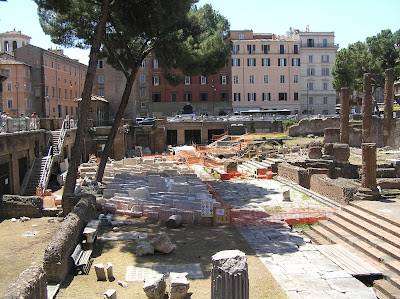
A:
[(374, 56), (79, 23), (179, 34)]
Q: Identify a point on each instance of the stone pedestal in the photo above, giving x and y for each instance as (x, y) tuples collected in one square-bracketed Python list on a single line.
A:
[(229, 275), (110, 273), (100, 272)]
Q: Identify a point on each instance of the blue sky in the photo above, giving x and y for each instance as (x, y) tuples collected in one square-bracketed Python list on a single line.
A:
[(351, 20)]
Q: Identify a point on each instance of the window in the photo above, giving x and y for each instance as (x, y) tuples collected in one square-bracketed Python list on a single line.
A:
[(295, 78), (310, 42), (59, 93), (282, 62), (143, 65), (187, 96), (224, 96), (142, 92), (241, 35), (325, 86), (295, 49), (265, 49), (251, 79), (156, 97), (156, 80), (235, 62), (9, 104), (266, 79), (174, 96), (70, 94), (324, 58), (281, 49), (65, 94), (310, 100), (142, 78), (310, 86), (325, 100), (236, 97), (203, 80), (251, 62), (265, 62), (187, 80), (100, 64), (295, 61), (224, 80), (236, 79), (324, 42), (203, 96), (53, 93), (325, 71), (52, 64), (282, 96), (310, 72), (45, 62), (100, 79), (155, 63), (266, 96), (101, 92), (52, 78), (235, 49), (282, 78), (65, 68), (251, 97), (9, 86), (310, 59), (142, 104), (251, 49), (296, 96)]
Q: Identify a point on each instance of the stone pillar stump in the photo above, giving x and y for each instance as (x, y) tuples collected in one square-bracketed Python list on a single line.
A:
[(344, 115)]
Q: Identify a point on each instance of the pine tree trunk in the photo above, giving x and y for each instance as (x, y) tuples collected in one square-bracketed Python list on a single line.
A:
[(117, 120), (84, 107)]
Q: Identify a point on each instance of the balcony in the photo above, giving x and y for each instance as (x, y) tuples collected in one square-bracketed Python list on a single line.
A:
[(319, 45)]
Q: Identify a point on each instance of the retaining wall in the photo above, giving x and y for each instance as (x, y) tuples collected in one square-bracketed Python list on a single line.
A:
[(299, 175), (31, 283), (57, 261), (17, 206)]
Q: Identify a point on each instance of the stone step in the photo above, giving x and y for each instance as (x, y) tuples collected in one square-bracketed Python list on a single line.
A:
[(325, 234), (315, 237), (386, 290), (363, 235), (392, 221), (373, 225)]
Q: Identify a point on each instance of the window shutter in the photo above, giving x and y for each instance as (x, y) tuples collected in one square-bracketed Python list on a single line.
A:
[(279, 62)]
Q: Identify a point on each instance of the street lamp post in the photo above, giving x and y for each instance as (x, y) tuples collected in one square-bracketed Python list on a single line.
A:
[(16, 86)]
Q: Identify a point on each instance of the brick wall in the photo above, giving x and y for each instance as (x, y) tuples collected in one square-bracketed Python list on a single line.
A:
[(313, 126), (17, 206), (340, 190), (31, 283), (57, 261)]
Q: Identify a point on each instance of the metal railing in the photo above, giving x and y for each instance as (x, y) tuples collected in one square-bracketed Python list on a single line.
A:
[(11, 125), (60, 140), (45, 174)]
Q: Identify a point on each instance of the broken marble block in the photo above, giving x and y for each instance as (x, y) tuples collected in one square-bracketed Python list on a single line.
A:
[(110, 294), (178, 285), (286, 195), (144, 248), (100, 272), (110, 273), (162, 243), (154, 286)]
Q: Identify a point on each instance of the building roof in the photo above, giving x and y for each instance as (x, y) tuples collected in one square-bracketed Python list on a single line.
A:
[(94, 98), (14, 32), (8, 61)]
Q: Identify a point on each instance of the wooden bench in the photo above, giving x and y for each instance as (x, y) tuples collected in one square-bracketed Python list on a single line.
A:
[(82, 259)]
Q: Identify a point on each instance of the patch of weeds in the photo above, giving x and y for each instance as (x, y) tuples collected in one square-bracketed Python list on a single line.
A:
[(301, 227), (272, 210)]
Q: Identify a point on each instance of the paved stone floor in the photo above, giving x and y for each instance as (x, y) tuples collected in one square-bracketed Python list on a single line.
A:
[(301, 270), (138, 273)]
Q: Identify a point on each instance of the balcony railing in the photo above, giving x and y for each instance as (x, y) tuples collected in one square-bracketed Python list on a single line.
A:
[(319, 45)]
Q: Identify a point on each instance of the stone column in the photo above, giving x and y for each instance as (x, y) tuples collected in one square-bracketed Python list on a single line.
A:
[(388, 109), (368, 190), (367, 108), (344, 115)]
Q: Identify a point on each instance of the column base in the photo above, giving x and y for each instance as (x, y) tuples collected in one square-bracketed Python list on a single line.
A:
[(367, 194)]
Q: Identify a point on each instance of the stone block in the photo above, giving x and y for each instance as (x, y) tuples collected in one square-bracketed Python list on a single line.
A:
[(110, 294), (110, 273), (314, 152), (100, 272), (144, 248), (163, 243), (155, 286), (178, 285), (341, 152), (230, 166), (331, 135)]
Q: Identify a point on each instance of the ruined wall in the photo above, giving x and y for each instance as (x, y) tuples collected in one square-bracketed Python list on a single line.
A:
[(340, 190), (313, 126), (299, 175), (31, 283), (17, 206), (57, 261)]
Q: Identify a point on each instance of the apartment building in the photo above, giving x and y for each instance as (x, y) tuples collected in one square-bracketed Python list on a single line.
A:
[(56, 80), (16, 88), (265, 72), (288, 74), (318, 54), (153, 96)]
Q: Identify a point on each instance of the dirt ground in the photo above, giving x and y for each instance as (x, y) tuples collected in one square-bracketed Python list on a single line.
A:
[(193, 244), (18, 253)]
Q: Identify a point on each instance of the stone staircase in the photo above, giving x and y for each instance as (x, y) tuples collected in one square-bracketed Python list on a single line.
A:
[(368, 234), (34, 178)]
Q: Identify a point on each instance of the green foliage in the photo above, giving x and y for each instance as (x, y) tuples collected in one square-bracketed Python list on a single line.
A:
[(222, 113), (287, 123), (92, 131), (374, 56)]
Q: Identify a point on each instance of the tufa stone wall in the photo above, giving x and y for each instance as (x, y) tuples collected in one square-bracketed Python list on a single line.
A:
[(31, 283), (340, 190), (18, 206), (57, 261), (313, 126), (298, 174)]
